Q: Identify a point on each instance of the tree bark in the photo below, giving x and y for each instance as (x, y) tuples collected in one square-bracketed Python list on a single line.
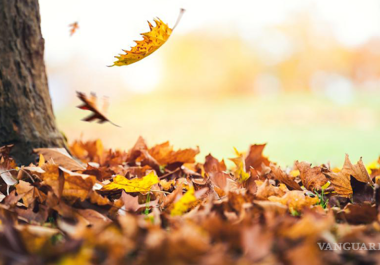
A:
[(26, 113)]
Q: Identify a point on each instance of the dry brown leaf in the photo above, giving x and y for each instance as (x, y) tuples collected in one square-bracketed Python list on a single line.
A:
[(255, 158), (90, 104), (60, 157), (295, 200), (75, 185), (265, 190), (282, 177), (312, 177), (165, 155), (358, 170), (341, 183)]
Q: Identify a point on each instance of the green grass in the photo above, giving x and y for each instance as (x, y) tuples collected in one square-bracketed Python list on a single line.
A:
[(295, 126)]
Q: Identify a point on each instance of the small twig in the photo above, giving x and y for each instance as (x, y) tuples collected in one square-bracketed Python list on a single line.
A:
[(23, 170), (27, 173), (170, 173)]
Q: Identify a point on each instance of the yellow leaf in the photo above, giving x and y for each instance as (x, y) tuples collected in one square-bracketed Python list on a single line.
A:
[(240, 172), (41, 162), (185, 203), (151, 42), (294, 173), (133, 185), (372, 165)]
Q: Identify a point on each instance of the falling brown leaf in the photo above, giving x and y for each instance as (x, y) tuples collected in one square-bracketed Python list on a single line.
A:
[(73, 28), (90, 104)]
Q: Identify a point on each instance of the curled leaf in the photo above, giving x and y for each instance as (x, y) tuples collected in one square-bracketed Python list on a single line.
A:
[(90, 104), (73, 28), (151, 42)]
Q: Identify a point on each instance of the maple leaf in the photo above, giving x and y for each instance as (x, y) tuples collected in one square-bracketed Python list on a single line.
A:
[(90, 104), (240, 172), (73, 28), (255, 157), (151, 42), (185, 203), (212, 165), (358, 171), (341, 183), (143, 184)]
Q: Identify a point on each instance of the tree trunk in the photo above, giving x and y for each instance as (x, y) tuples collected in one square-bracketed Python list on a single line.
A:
[(26, 113)]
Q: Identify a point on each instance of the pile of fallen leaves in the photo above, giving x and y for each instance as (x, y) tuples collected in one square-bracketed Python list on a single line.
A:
[(159, 206)]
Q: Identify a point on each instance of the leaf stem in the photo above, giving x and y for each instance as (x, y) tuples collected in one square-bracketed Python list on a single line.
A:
[(179, 17)]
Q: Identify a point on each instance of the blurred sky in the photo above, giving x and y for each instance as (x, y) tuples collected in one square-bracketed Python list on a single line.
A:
[(301, 75)]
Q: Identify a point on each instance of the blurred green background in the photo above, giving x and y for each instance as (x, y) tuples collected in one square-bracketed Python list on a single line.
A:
[(302, 76)]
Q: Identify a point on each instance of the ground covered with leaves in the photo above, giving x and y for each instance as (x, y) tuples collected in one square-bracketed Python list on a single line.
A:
[(157, 205)]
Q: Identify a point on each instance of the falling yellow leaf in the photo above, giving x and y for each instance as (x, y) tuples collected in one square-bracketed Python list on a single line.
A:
[(151, 42), (240, 172), (143, 184), (185, 203)]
